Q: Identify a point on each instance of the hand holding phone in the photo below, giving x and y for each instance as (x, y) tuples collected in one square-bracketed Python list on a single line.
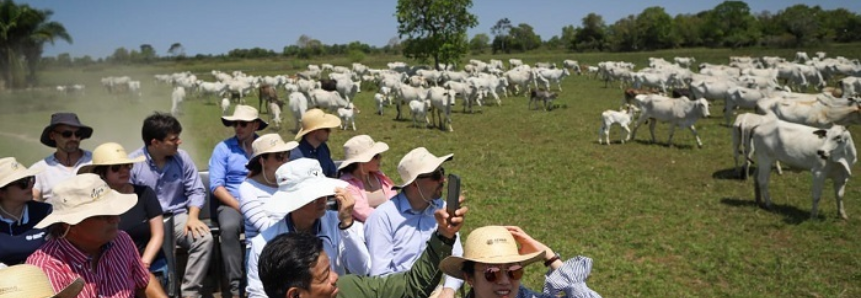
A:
[(453, 194)]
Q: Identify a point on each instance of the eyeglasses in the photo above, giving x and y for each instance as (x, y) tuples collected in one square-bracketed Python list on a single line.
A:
[(493, 274), (68, 133), (241, 123), (117, 168), (23, 183), (435, 175), (280, 156)]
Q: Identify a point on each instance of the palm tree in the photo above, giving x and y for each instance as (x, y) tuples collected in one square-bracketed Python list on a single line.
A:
[(23, 33), (44, 31)]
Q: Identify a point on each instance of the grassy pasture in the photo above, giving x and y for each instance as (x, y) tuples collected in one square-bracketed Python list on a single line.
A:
[(658, 221)]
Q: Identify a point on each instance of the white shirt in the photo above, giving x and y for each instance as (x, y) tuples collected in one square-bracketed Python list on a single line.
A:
[(54, 172)]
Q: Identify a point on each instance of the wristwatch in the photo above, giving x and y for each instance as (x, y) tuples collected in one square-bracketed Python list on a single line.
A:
[(551, 260)]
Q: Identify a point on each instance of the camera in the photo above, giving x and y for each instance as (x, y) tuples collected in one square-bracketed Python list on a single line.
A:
[(331, 203)]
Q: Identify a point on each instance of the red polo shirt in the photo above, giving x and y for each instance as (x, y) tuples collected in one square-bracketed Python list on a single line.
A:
[(117, 275)]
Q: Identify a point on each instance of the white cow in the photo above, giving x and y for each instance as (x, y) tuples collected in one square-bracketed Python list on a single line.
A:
[(275, 114), (348, 88), (572, 65), (741, 131), (327, 100), (406, 94), (623, 117), (520, 79), (379, 101), (176, 99), (442, 101), (419, 109), (348, 115), (851, 86), (225, 105), (512, 63), (298, 105), (822, 110), (681, 112), (552, 75), (684, 61), (826, 153)]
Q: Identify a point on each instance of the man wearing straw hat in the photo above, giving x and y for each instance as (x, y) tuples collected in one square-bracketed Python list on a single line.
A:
[(316, 127), (398, 230), (226, 172), (493, 265), (64, 133), (28, 281), (85, 241)]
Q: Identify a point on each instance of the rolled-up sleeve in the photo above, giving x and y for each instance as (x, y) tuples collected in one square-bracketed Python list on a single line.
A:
[(570, 278), (353, 250)]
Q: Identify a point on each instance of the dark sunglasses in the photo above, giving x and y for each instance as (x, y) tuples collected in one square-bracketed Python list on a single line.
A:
[(435, 175), (280, 156), (117, 168), (68, 133), (23, 183), (492, 274), (241, 123)]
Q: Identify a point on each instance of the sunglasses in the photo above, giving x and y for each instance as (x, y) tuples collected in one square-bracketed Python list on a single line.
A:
[(493, 274), (23, 183), (68, 133), (117, 168), (435, 175), (280, 156), (241, 123)]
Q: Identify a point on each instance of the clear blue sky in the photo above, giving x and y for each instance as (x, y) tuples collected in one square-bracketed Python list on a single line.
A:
[(99, 27)]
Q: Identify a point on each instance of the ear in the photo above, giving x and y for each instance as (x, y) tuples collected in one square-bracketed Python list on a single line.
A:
[(292, 292), (821, 133)]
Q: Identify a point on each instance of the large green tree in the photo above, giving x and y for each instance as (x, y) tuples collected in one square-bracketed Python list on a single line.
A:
[(435, 30), (730, 24), (23, 34), (592, 35), (479, 43), (656, 29)]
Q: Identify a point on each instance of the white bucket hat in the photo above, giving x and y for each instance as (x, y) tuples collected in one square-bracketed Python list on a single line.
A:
[(109, 154), (361, 148), (270, 143), (301, 182), (11, 170), (28, 281), (488, 245), (315, 119), (84, 196), (244, 113), (417, 162)]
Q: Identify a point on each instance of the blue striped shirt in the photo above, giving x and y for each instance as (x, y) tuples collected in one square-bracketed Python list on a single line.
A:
[(569, 279)]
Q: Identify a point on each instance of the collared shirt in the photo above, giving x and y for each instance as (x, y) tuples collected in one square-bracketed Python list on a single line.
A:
[(53, 172), (362, 209), (18, 238), (396, 236), (177, 185), (227, 166), (118, 273), (321, 153), (345, 248), (570, 279)]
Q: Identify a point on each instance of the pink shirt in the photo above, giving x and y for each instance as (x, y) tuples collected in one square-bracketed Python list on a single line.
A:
[(362, 209), (117, 275)]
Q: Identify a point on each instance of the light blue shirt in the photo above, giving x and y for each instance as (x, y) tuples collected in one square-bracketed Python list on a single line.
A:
[(397, 235), (177, 185), (227, 166)]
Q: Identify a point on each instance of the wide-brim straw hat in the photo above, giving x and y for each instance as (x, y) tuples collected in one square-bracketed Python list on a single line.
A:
[(244, 113), (417, 162), (70, 119), (109, 154), (361, 148), (488, 245), (11, 170), (28, 281), (84, 196), (301, 182), (270, 143), (315, 119)]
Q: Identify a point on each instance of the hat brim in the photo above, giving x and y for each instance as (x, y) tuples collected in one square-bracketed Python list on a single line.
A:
[(379, 147), (453, 265), (328, 121), (18, 175), (279, 148), (113, 203), (286, 201), (429, 167), (228, 121), (90, 167), (72, 290), (46, 140)]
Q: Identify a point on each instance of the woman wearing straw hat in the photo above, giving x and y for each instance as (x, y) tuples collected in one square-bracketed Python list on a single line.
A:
[(19, 213), (28, 281), (270, 152), (144, 222), (85, 241), (361, 168), (493, 264)]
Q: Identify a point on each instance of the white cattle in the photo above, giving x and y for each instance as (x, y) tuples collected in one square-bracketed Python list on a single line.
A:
[(419, 109), (298, 105), (326, 66), (820, 55), (306, 86), (801, 57), (520, 79), (547, 65), (240, 88), (468, 92), (684, 61), (347, 88), (851, 86), (741, 131), (379, 101), (225, 105), (512, 63), (771, 61), (458, 76), (211, 88), (348, 115), (176, 99), (711, 89), (327, 100), (430, 75), (406, 94), (819, 110), (651, 79), (488, 84), (359, 68), (275, 114), (572, 65), (743, 97), (442, 100), (623, 117), (681, 112), (552, 75), (826, 153)]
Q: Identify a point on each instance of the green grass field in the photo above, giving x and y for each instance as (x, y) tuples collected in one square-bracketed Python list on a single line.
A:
[(658, 221)]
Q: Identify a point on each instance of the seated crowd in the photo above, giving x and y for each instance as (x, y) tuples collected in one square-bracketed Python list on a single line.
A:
[(95, 222)]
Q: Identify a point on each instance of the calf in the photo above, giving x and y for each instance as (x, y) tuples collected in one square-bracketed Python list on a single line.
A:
[(544, 96), (268, 94), (275, 112), (176, 99), (419, 108), (623, 117), (680, 112), (827, 153), (298, 105), (379, 100), (225, 105), (348, 115)]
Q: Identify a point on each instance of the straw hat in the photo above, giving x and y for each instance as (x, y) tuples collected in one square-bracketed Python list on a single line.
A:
[(361, 148), (11, 170), (301, 182), (84, 196), (244, 113), (270, 143), (70, 119), (417, 162), (28, 281), (109, 154), (488, 245), (315, 119)]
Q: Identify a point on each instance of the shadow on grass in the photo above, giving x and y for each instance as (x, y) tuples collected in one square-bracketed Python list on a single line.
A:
[(675, 145), (791, 214), (733, 174)]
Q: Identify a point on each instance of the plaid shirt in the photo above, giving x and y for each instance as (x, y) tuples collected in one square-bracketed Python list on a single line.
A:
[(118, 273)]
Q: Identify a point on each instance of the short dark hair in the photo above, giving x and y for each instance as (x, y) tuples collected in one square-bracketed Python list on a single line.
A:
[(286, 262), (158, 125), (348, 169), (102, 171)]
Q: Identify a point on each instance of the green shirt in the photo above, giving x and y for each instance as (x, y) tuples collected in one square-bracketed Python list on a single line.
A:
[(422, 278)]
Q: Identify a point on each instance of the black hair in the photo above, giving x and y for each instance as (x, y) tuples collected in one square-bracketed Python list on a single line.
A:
[(254, 167), (468, 269), (158, 125), (102, 171), (348, 169), (286, 262)]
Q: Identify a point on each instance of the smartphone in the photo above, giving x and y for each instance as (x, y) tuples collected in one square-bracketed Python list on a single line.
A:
[(331, 203), (453, 195)]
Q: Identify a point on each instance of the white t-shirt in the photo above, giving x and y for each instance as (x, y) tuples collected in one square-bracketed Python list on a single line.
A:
[(54, 172), (253, 198)]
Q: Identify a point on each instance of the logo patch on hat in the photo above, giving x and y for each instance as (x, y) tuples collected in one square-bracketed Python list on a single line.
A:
[(98, 192), (493, 241)]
